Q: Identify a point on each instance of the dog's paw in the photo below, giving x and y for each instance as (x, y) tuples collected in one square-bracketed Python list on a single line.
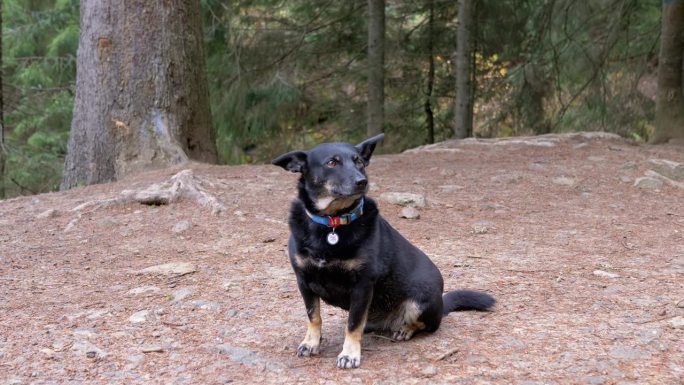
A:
[(306, 350), (348, 362), (404, 334)]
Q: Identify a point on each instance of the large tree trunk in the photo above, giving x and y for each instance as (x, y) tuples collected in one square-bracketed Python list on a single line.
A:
[(3, 152), (463, 111), (670, 97), (141, 90), (376, 67)]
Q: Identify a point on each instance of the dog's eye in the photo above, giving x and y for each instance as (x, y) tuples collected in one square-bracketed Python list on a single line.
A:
[(331, 163), (358, 161)]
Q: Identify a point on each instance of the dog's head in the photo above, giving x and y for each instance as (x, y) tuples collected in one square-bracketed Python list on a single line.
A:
[(333, 174)]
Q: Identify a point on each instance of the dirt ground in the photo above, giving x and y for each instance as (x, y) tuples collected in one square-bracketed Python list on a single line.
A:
[(588, 271)]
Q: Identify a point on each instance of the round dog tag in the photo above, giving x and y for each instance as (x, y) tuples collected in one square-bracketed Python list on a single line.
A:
[(333, 238)]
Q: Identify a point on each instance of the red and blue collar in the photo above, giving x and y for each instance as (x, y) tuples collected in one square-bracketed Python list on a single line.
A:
[(341, 220)]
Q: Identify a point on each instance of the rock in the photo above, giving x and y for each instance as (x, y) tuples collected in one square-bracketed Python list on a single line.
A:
[(181, 294), (139, 317), (409, 213), (680, 304), (563, 181), (239, 355), (51, 213), (404, 199), (181, 226), (506, 178), (667, 168), (429, 371), (450, 188), (205, 305), (144, 290), (605, 274), (648, 183), (628, 353), (676, 322), (152, 349), (482, 227), (629, 166), (625, 179), (83, 332), (86, 349), (593, 380), (172, 269)]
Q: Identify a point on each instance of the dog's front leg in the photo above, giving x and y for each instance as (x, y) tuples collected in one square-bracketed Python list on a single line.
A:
[(312, 340), (361, 296)]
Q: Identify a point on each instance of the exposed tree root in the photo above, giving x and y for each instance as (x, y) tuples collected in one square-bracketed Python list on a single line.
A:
[(183, 185)]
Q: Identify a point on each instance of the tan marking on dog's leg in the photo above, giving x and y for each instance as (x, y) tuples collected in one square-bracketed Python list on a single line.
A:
[(300, 261), (350, 357), (310, 346), (407, 323)]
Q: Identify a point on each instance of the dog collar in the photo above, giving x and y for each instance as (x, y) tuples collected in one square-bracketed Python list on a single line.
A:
[(335, 222)]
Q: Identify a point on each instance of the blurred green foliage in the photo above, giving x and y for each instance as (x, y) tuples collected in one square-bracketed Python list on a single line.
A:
[(289, 74)]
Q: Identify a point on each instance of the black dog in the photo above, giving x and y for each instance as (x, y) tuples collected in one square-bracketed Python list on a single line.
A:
[(344, 252)]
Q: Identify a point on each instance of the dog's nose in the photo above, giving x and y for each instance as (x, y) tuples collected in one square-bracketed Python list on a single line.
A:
[(361, 182)]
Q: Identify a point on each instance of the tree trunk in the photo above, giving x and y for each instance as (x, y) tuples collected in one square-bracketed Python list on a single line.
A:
[(142, 98), (429, 115), (463, 111), (670, 97), (3, 152), (376, 67)]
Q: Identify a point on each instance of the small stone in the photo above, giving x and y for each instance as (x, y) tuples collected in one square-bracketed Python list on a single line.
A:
[(593, 380), (144, 290), (596, 158), (181, 226), (404, 199), (181, 294), (563, 181), (482, 227), (409, 213), (429, 371), (152, 349), (605, 274), (85, 348), (625, 179), (139, 317), (628, 353), (648, 183), (676, 322), (506, 178), (49, 353), (232, 313), (108, 222), (173, 269), (629, 166), (51, 213), (680, 304)]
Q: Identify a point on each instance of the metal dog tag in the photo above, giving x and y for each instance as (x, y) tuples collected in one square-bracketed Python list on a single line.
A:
[(333, 238)]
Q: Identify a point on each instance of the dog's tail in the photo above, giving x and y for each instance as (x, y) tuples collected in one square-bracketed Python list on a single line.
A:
[(467, 300)]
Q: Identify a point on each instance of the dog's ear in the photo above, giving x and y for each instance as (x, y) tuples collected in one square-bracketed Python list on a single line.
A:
[(294, 161), (367, 147)]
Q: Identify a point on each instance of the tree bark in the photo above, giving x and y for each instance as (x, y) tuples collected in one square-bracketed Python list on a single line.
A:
[(3, 151), (376, 67), (142, 97), (463, 110), (670, 96), (429, 115)]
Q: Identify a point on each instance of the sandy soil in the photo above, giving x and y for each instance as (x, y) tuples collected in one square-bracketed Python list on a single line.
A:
[(587, 268)]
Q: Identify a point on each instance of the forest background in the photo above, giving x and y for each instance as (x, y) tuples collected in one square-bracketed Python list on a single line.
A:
[(290, 74)]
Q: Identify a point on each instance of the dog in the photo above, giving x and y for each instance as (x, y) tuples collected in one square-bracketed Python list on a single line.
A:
[(343, 252)]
